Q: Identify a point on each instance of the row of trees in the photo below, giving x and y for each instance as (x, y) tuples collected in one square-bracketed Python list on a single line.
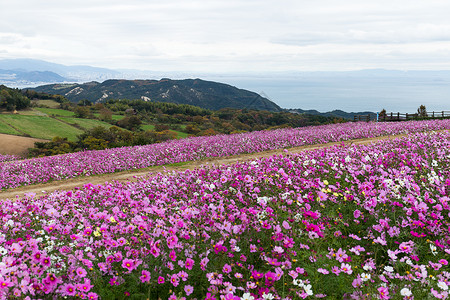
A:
[(191, 119), (12, 99)]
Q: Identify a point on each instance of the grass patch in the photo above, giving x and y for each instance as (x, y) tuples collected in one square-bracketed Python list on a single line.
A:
[(178, 164), (56, 112), (85, 123), (49, 103), (117, 117), (147, 127), (181, 135), (113, 117), (42, 127), (5, 128)]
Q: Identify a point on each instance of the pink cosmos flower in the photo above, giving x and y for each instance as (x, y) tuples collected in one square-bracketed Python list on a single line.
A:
[(172, 297), (92, 296), (69, 289), (183, 275), (204, 263), (37, 256), (346, 268), (188, 289), (443, 262), (226, 268), (50, 279), (113, 281), (81, 272), (209, 296), (145, 277), (16, 248), (341, 255), (336, 270), (383, 293), (174, 279), (405, 247), (85, 287), (161, 280), (5, 283), (128, 264), (270, 278), (189, 263), (357, 282), (173, 255)]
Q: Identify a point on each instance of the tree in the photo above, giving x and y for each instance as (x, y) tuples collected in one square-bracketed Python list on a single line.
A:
[(82, 112), (131, 123), (422, 111), (105, 115), (84, 102)]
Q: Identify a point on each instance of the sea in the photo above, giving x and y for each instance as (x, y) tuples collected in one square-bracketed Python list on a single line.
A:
[(352, 93)]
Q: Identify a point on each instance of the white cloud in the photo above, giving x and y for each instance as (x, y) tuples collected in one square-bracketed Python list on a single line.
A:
[(233, 35)]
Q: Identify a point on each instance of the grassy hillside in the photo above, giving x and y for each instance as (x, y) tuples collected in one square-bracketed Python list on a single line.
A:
[(5, 128), (55, 112), (84, 123), (40, 127)]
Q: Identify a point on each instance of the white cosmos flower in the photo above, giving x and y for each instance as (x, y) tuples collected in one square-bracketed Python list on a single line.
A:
[(247, 296), (308, 290), (268, 296), (442, 285), (365, 276), (433, 249), (405, 292), (389, 269)]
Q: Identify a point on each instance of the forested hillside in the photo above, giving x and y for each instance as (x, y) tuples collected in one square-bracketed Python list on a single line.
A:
[(205, 94)]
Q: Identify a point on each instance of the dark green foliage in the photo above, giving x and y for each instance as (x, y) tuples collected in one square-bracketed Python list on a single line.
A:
[(82, 112), (130, 122), (422, 112), (12, 99), (34, 95), (58, 145)]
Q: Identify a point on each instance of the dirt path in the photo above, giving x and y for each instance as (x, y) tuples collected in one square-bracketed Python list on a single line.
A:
[(133, 175), (16, 145)]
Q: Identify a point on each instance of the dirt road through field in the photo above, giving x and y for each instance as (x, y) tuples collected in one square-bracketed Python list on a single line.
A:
[(16, 145), (133, 175)]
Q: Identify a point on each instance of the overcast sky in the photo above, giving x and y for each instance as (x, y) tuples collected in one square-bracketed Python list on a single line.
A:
[(230, 35)]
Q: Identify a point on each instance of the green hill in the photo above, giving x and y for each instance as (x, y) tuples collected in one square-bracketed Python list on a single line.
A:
[(205, 94)]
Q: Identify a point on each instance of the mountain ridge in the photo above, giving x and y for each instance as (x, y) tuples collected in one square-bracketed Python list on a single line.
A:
[(198, 92), (337, 113)]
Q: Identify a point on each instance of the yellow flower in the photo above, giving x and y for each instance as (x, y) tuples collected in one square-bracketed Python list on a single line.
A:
[(112, 219)]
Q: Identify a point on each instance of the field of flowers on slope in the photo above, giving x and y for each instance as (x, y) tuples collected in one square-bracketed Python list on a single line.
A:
[(6, 157), (361, 222), (41, 170)]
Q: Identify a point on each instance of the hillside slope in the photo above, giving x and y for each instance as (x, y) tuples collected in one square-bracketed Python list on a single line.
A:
[(205, 94)]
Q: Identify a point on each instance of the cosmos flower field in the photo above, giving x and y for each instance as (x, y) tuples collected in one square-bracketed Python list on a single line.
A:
[(40, 170), (6, 157), (348, 221)]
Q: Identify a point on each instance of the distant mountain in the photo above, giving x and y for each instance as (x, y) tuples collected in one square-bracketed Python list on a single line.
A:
[(205, 94), (333, 114), (70, 73), (26, 77)]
